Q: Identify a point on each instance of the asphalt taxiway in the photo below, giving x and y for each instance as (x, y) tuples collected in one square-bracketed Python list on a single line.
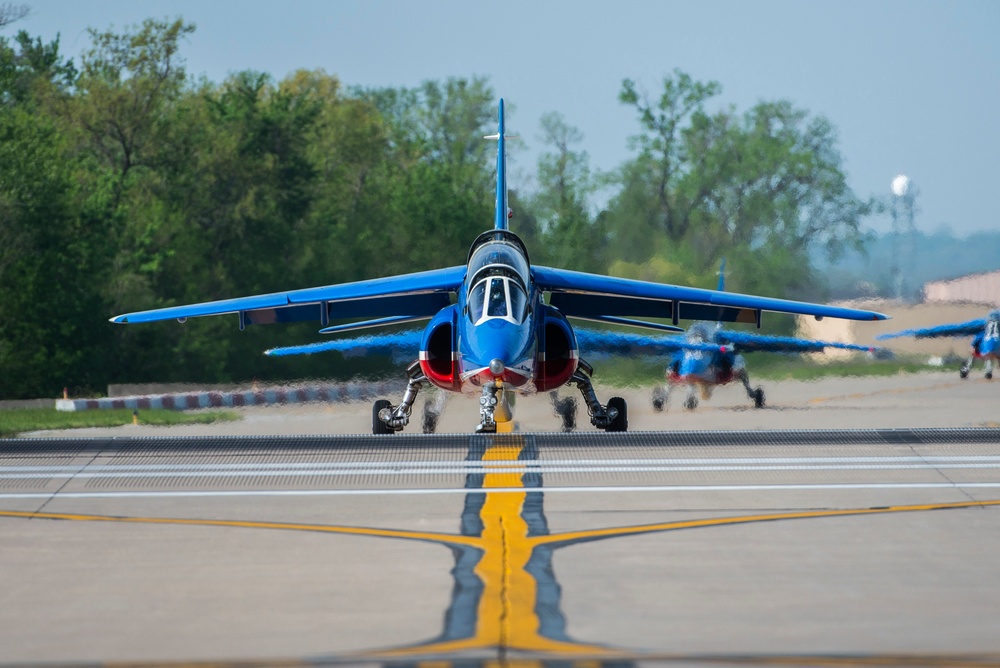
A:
[(799, 544)]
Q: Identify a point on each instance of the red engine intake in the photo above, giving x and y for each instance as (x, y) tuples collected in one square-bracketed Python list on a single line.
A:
[(558, 354), (438, 356)]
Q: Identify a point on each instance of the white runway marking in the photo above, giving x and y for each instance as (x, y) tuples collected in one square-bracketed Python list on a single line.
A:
[(546, 467), (502, 490)]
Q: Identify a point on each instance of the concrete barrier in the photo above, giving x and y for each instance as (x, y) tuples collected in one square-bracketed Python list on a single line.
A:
[(336, 393), (18, 404)]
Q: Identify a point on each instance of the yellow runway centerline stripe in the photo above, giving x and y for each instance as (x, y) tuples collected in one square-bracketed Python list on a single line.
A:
[(506, 616)]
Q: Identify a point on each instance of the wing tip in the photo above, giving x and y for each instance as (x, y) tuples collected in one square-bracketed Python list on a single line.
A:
[(119, 319)]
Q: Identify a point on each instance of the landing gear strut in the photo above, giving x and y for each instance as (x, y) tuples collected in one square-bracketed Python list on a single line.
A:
[(388, 419), (757, 395), (495, 405), (614, 416)]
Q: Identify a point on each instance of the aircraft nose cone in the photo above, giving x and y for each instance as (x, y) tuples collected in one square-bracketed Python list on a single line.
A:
[(496, 366)]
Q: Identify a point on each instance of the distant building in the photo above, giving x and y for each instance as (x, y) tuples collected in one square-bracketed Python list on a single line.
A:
[(958, 300), (974, 289)]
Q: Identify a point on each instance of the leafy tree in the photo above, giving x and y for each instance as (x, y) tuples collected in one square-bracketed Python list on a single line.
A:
[(438, 175), (47, 275), (30, 70), (570, 237), (760, 189), (663, 154)]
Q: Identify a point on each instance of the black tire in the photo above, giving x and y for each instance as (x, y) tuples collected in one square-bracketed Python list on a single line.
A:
[(566, 409), (620, 423), (430, 419), (758, 397), (659, 400), (379, 427)]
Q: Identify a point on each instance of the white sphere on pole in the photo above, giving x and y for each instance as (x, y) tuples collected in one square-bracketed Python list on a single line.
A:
[(900, 185)]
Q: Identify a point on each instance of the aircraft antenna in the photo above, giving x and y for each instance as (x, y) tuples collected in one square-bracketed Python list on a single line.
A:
[(502, 207)]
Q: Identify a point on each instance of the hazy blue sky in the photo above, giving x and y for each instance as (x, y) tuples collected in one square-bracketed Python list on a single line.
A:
[(912, 86)]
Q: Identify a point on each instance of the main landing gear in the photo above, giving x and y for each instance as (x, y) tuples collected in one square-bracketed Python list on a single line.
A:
[(496, 405), (963, 373), (757, 395), (388, 419), (614, 416)]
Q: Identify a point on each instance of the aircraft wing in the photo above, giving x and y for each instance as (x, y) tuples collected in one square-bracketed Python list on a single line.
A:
[(749, 342), (416, 295), (394, 343), (590, 296), (970, 328), (598, 342)]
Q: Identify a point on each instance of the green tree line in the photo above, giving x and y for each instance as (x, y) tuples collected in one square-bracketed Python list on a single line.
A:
[(127, 184)]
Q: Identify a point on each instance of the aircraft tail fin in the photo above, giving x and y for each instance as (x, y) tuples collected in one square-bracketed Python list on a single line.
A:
[(502, 212), (722, 276)]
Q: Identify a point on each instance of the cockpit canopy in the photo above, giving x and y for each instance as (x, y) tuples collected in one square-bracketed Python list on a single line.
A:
[(498, 273), (498, 296), (993, 325), (701, 332)]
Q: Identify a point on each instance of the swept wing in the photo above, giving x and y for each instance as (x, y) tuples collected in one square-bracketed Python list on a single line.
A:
[(970, 328), (394, 343), (417, 295), (593, 296), (749, 343), (595, 342)]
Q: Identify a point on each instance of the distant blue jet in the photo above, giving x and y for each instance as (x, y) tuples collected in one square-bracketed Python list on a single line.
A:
[(498, 324), (708, 356), (985, 334)]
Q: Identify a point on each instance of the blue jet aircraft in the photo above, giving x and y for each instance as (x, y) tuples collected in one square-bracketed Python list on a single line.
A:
[(491, 327), (985, 333), (708, 356)]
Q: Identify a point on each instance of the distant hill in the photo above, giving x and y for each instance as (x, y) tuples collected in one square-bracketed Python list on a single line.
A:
[(936, 256)]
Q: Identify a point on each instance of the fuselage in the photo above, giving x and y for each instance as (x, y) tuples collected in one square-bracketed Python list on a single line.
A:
[(703, 367), (986, 344), (499, 329), (496, 306)]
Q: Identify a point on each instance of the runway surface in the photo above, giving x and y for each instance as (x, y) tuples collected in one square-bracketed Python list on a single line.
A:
[(703, 547)]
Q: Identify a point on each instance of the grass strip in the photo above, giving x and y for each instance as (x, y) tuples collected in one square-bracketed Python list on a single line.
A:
[(14, 422)]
